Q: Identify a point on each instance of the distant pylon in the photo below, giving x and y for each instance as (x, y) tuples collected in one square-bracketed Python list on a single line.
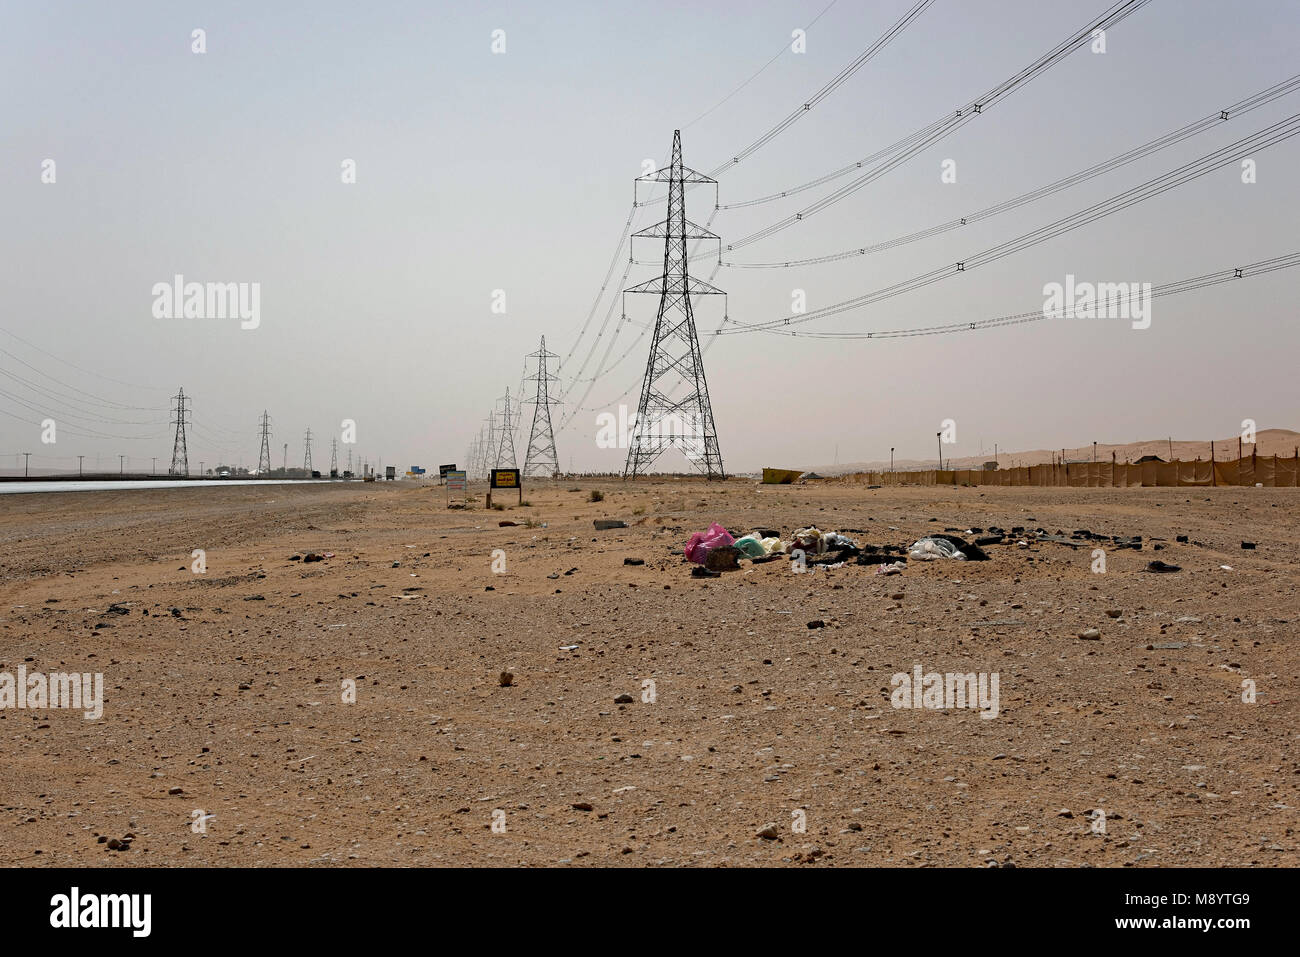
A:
[(334, 456), (349, 460), (264, 456), (541, 458), (306, 458), (506, 444), (490, 450), (180, 453), (675, 358)]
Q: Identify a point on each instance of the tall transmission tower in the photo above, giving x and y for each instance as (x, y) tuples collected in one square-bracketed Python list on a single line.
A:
[(541, 458), (349, 460), (180, 453), (334, 456), (675, 358), (507, 438), (306, 458), (264, 456), (490, 450)]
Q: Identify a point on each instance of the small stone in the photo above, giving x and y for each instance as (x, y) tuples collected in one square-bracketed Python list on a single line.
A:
[(816, 623), (1090, 634), (176, 790), (769, 832), (624, 698), (1114, 612), (634, 561), (506, 679), (581, 806)]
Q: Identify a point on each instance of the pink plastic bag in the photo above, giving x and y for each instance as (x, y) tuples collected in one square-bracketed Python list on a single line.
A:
[(701, 543)]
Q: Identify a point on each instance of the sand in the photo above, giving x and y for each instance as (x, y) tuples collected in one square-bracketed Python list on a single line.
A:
[(226, 740)]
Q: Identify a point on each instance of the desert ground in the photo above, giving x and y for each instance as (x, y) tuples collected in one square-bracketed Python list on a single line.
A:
[(225, 738)]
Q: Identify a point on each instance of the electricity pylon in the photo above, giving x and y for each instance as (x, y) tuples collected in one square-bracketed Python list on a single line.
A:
[(306, 458), (334, 456), (675, 358), (180, 453), (541, 458), (505, 453), (264, 456)]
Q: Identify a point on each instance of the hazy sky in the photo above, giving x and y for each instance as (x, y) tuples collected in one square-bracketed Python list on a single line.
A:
[(478, 171)]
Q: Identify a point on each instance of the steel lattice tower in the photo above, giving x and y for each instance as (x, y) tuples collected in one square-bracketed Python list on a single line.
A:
[(507, 440), (675, 359), (541, 457), (180, 453), (264, 456), (306, 459)]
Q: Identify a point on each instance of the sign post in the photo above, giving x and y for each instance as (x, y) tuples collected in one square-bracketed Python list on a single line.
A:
[(443, 471), (506, 478), (456, 482)]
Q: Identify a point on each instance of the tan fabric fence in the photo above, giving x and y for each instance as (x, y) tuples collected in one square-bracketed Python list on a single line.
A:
[(1270, 471)]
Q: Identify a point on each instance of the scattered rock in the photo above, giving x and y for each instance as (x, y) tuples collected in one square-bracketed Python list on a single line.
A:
[(1090, 634), (699, 571), (816, 623), (506, 679), (1247, 544), (769, 832), (604, 524), (1159, 566), (624, 698), (634, 561)]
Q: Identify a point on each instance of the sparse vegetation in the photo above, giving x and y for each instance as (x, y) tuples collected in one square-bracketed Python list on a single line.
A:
[(596, 496)]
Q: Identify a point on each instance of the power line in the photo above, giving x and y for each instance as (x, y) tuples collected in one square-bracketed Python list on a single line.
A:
[(923, 138), (1250, 271), (1213, 120), (828, 88), (1278, 132)]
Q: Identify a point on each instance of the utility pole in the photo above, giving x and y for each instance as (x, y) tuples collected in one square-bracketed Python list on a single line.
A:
[(200, 468), (541, 457), (507, 439), (153, 469), (80, 459), (264, 454), (284, 461), (26, 458), (180, 454), (349, 460), (939, 436), (306, 458), (891, 458), (675, 357), (121, 465), (334, 457)]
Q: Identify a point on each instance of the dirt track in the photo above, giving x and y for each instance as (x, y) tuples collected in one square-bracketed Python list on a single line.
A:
[(237, 699)]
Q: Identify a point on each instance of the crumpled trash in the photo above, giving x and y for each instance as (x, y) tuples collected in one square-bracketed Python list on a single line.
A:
[(701, 543), (813, 541), (751, 546), (754, 545), (929, 548), (892, 568), (808, 540)]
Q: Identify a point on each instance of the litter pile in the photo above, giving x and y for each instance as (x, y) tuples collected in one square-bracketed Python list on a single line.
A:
[(716, 550)]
